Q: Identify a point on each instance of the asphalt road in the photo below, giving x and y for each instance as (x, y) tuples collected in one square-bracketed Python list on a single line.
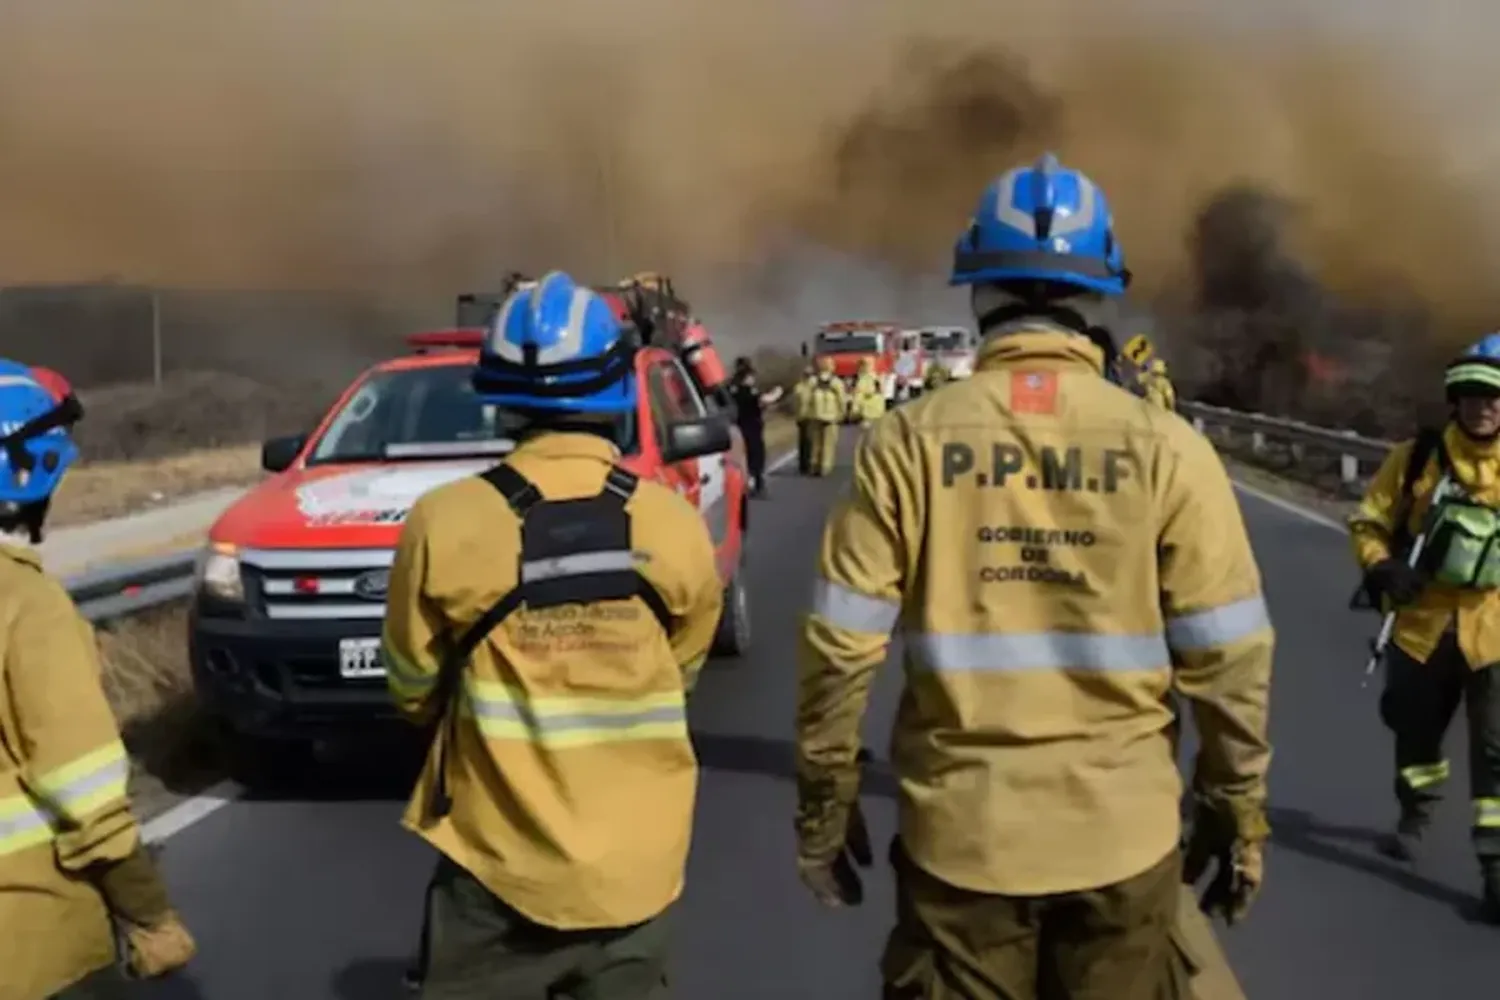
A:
[(317, 896)]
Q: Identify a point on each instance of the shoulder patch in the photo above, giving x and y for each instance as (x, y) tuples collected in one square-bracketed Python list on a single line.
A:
[(1033, 392)]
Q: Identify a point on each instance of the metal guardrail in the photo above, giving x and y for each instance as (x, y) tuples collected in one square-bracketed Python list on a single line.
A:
[(1355, 453), (127, 588)]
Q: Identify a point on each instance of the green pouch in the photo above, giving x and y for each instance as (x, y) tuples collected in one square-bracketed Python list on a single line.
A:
[(1462, 548)]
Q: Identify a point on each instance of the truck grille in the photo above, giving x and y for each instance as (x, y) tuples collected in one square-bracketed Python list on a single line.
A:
[(292, 584)]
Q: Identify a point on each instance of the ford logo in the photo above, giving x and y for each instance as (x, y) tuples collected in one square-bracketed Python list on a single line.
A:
[(372, 585)]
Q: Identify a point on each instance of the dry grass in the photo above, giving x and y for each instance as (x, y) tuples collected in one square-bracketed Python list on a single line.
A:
[(150, 687), (96, 491)]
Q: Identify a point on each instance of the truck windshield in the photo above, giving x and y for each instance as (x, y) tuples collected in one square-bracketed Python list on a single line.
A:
[(958, 341), (849, 343), (421, 413)]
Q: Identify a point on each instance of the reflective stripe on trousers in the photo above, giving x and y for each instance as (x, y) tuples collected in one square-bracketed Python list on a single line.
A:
[(506, 714), (1487, 814), (853, 611), (1420, 776)]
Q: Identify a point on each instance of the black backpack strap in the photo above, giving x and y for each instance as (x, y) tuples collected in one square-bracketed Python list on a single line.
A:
[(543, 583), (1428, 443), (518, 491), (521, 494)]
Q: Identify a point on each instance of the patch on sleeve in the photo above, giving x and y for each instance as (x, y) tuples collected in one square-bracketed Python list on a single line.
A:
[(1033, 392)]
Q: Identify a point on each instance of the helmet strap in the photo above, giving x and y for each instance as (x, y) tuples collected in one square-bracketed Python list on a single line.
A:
[(64, 414)]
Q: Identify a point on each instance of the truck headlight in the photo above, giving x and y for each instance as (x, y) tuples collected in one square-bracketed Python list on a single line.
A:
[(219, 574)]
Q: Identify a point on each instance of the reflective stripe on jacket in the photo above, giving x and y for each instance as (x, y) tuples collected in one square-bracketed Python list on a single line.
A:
[(63, 786), (573, 778), (1056, 553), (1420, 625)]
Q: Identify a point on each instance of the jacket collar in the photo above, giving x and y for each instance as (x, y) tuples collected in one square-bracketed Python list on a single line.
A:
[(566, 444), (18, 548), (1039, 344)]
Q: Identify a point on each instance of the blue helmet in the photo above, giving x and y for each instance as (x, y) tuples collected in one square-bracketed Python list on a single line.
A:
[(557, 346), (1045, 223), (1476, 368), (35, 447)]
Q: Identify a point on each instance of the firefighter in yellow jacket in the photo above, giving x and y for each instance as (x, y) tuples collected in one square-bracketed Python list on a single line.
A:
[(1156, 386), (72, 864), (1445, 647), (551, 616), (937, 376), (868, 401), (1059, 556), (802, 408), (828, 401)]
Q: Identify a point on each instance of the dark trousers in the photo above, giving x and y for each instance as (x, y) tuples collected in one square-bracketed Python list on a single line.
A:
[(478, 948), (1116, 943), (1417, 705), (804, 446), (106, 984), (755, 454)]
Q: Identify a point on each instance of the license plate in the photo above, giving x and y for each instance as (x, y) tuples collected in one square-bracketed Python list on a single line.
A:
[(359, 658)]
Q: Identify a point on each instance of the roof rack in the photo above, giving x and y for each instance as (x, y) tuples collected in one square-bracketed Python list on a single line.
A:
[(468, 338)]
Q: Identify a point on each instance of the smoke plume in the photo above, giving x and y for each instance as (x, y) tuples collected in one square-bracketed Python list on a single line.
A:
[(796, 160)]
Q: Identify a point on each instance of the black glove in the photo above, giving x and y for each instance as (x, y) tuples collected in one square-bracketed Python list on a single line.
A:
[(1236, 848), (1394, 579), (835, 880)]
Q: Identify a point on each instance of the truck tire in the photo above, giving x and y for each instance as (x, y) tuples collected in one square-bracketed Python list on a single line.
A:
[(733, 635), (257, 764)]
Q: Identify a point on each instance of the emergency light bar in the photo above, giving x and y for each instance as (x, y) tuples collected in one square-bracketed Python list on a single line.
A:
[(468, 338), (856, 326)]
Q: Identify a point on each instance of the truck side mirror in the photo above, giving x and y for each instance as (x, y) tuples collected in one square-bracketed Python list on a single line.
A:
[(278, 454), (687, 439)]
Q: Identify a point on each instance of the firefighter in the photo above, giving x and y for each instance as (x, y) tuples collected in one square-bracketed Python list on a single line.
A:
[(999, 522), (802, 395), (549, 618), (828, 401), (73, 868), (1445, 647), (937, 376), (868, 401), (1157, 385)]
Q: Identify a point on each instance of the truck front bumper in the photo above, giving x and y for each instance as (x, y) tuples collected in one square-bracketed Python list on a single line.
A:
[(286, 679)]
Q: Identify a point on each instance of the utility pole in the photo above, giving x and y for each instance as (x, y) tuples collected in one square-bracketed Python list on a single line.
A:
[(156, 337)]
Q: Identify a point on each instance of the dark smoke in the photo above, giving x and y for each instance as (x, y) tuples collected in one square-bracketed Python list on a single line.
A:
[(787, 161)]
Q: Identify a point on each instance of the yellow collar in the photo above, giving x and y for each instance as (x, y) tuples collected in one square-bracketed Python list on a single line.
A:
[(1039, 348)]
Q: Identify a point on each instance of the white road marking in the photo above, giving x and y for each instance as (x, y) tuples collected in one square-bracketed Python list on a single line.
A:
[(190, 811), (1291, 508)]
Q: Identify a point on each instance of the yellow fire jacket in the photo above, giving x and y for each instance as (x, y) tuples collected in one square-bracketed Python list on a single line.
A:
[(572, 776), (868, 401), (802, 398), (1159, 390), (828, 400), (63, 775), (1057, 552), (1421, 624)]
